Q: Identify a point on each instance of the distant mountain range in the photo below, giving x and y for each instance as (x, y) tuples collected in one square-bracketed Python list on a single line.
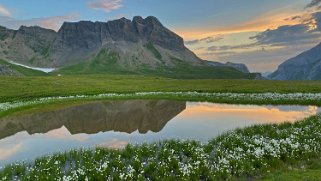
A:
[(306, 66), (138, 46)]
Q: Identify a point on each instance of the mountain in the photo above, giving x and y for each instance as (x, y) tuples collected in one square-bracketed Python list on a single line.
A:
[(138, 46), (91, 118), (306, 66), (238, 66), (266, 74)]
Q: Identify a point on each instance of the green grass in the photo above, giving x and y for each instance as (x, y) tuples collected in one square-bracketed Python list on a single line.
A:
[(23, 70), (107, 62), (312, 173), (262, 152), (18, 107), (155, 52), (103, 62), (183, 70), (21, 88)]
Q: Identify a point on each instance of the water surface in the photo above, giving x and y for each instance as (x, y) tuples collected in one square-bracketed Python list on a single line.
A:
[(114, 124)]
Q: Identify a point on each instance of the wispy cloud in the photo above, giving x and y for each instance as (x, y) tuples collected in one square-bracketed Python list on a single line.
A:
[(4, 11), (312, 4), (106, 5), (209, 39), (232, 47), (53, 22), (288, 35), (113, 144), (262, 22), (6, 153)]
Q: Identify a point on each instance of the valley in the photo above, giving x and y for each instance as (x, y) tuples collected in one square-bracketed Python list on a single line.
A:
[(91, 91)]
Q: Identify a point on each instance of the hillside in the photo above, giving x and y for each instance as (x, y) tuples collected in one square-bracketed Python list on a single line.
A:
[(9, 69)]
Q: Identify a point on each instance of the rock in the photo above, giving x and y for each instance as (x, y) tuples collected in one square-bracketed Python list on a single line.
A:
[(76, 42), (153, 31), (27, 45), (306, 66), (139, 45)]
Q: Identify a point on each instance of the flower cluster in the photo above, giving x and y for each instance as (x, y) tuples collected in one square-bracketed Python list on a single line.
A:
[(235, 97), (234, 154), (241, 151)]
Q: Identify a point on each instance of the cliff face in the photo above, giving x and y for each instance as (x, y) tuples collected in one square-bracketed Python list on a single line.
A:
[(27, 45), (150, 29), (138, 46), (80, 41), (305, 66)]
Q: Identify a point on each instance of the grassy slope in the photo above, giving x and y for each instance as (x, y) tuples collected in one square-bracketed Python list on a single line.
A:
[(15, 88), (104, 62), (23, 70), (181, 70), (107, 63), (155, 52)]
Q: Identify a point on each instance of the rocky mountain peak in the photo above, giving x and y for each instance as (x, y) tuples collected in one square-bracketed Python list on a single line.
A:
[(141, 45), (138, 19), (152, 30), (305, 66), (35, 30), (149, 29)]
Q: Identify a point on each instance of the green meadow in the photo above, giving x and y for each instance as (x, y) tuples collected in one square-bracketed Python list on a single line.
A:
[(21, 88), (265, 152)]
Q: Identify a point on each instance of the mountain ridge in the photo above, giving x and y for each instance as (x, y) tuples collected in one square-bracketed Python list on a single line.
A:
[(305, 66), (138, 43)]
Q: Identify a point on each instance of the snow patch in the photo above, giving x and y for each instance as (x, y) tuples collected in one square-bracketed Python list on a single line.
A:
[(46, 70)]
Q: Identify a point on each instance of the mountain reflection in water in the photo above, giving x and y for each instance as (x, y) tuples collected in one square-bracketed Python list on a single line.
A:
[(115, 124), (118, 116)]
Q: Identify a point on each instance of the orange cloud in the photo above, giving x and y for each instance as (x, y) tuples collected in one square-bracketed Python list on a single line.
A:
[(270, 20), (64, 134), (56, 21), (106, 5), (113, 144), (53, 22), (270, 115), (6, 153)]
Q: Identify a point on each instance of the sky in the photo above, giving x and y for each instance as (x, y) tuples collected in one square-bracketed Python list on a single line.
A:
[(260, 33)]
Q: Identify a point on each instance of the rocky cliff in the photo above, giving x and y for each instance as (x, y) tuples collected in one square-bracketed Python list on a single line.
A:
[(79, 41), (306, 66), (140, 46)]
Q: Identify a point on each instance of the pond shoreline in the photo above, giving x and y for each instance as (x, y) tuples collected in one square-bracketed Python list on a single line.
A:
[(243, 153), (7, 108)]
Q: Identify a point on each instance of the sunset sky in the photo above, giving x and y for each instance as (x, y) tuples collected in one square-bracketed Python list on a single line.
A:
[(259, 33)]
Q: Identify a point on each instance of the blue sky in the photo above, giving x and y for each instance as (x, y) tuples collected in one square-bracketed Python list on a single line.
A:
[(178, 13), (217, 30)]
